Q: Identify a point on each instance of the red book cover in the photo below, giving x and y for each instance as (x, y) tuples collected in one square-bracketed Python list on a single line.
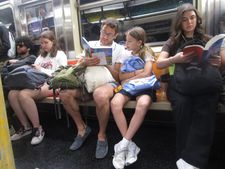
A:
[(194, 50), (212, 47)]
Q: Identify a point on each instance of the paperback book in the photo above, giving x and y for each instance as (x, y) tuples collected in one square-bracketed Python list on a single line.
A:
[(212, 47), (104, 53)]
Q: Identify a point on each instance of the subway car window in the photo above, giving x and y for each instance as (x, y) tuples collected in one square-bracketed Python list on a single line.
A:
[(142, 7), (39, 18), (155, 16), (87, 1)]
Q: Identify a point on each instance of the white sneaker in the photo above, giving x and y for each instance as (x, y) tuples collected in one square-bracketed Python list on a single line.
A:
[(181, 164), (38, 136), (119, 156), (132, 153), (22, 132)]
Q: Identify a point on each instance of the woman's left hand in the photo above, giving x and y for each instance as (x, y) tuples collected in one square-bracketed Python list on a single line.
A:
[(215, 60)]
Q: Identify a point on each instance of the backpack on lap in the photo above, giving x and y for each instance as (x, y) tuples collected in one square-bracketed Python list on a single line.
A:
[(25, 77)]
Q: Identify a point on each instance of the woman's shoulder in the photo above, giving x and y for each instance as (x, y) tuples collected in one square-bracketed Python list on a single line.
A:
[(170, 41), (169, 44), (60, 53)]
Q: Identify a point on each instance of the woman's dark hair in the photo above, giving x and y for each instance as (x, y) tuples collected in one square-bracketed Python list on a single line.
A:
[(177, 23), (51, 36)]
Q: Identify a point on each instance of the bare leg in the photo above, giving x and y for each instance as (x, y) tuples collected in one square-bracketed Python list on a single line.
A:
[(27, 99), (117, 104), (143, 103), (69, 100), (102, 96), (15, 104)]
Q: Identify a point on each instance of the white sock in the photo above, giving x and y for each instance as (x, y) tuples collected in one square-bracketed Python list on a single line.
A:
[(124, 142)]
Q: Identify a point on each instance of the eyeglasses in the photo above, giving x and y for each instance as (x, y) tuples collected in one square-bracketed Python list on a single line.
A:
[(103, 33), (20, 45)]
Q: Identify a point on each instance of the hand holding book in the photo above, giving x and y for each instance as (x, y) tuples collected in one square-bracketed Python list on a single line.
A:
[(215, 60), (92, 61), (212, 47), (103, 53)]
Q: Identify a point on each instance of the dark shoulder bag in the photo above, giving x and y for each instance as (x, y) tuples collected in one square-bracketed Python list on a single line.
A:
[(25, 77)]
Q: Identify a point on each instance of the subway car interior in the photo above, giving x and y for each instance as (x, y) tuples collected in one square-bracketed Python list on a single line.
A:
[(72, 19), (155, 16)]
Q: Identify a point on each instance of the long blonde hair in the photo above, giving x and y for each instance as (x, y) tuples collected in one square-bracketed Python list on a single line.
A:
[(139, 33)]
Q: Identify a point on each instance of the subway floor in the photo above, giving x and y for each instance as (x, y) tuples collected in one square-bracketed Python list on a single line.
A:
[(157, 143)]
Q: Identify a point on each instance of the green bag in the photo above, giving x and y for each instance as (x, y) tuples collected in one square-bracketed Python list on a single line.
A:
[(68, 77)]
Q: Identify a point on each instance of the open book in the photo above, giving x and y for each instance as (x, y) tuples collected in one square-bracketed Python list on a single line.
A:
[(212, 47), (104, 53)]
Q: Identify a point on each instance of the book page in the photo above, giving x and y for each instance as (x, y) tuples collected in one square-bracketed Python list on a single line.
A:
[(214, 40), (101, 56), (107, 51), (213, 47), (86, 46)]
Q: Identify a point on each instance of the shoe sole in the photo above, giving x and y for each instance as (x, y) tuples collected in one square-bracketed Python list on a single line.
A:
[(133, 160)]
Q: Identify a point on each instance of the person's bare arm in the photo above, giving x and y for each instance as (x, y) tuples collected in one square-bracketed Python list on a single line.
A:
[(165, 60), (114, 70), (127, 76)]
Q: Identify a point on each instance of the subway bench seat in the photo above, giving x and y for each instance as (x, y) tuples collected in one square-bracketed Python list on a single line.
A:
[(158, 106)]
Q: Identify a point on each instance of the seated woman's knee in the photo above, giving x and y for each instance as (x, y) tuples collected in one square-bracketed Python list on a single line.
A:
[(22, 95), (13, 94)]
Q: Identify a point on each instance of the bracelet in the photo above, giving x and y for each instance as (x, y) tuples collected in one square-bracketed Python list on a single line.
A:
[(170, 62)]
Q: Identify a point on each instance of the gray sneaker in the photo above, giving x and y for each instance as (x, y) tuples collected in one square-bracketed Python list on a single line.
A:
[(101, 149), (79, 140)]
